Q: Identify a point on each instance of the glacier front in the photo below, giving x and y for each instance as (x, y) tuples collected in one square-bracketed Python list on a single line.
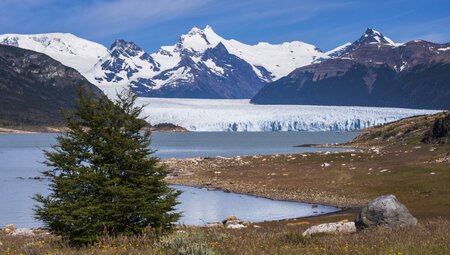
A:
[(240, 115)]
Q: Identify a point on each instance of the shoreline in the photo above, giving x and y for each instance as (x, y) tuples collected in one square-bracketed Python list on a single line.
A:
[(163, 127), (183, 171), (341, 208)]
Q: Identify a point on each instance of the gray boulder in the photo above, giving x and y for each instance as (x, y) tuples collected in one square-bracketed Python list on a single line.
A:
[(384, 211), (331, 228), (23, 232)]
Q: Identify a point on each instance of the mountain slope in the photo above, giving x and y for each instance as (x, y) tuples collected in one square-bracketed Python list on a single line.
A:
[(373, 71), (66, 48), (34, 87), (201, 64)]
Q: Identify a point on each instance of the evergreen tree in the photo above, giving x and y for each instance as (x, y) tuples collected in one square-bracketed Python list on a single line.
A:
[(104, 178)]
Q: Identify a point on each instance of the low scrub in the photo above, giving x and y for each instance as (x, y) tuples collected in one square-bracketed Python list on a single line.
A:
[(431, 237)]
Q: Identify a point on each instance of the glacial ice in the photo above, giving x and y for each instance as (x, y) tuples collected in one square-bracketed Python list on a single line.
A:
[(240, 115)]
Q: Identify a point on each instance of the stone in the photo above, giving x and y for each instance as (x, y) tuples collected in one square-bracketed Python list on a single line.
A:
[(23, 232), (331, 228), (384, 211), (231, 222), (9, 228), (235, 226)]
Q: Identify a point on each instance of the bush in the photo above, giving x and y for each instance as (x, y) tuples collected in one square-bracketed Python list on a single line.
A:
[(183, 243)]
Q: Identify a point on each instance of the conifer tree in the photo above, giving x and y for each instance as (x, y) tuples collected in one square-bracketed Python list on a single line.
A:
[(104, 178)]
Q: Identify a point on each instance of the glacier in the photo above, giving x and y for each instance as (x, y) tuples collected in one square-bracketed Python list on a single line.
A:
[(239, 115)]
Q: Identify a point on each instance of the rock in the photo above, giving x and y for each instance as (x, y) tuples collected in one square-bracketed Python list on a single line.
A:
[(23, 232), (331, 228), (384, 211), (235, 226), (232, 222), (9, 228), (325, 165)]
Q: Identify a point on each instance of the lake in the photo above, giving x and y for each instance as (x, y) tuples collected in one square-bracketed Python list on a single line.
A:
[(21, 154)]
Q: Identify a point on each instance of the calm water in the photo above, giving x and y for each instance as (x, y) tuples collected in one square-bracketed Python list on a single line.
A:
[(20, 157)]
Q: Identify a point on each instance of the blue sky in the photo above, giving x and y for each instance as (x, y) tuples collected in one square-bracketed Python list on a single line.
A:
[(152, 23)]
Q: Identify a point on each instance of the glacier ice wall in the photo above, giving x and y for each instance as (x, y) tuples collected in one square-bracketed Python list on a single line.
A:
[(240, 115)]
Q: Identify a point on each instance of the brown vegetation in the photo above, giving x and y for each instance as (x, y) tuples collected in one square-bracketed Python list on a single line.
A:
[(429, 237)]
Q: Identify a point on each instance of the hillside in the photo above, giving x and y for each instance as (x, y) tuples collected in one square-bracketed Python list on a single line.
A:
[(373, 71), (34, 88), (427, 129), (201, 64)]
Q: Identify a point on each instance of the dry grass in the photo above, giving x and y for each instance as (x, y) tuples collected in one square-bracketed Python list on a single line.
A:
[(431, 237)]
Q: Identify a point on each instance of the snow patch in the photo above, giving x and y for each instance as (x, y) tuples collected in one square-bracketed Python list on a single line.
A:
[(212, 65), (66, 48), (338, 50)]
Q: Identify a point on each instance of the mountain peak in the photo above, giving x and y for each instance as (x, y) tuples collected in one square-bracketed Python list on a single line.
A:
[(372, 32), (120, 43), (197, 30), (372, 36), (198, 40), (122, 47)]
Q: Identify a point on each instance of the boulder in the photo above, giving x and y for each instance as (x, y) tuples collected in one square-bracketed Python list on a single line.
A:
[(384, 211), (23, 232), (235, 225), (331, 228), (9, 228), (232, 222)]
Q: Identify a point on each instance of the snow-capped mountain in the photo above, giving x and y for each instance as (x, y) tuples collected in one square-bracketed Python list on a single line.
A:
[(269, 61), (338, 51), (66, 48), (372, 71), (201, 64)]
